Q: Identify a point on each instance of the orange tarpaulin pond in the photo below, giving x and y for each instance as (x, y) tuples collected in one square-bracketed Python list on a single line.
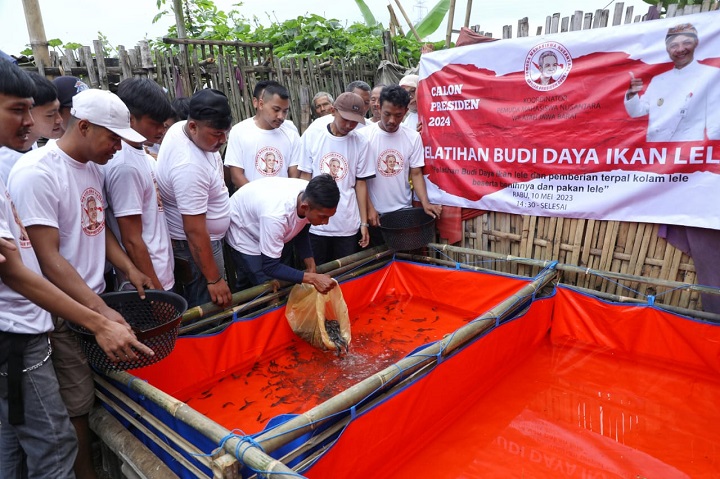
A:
[(573, 387)]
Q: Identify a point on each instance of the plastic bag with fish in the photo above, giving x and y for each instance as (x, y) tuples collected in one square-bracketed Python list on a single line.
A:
[(320, 319)]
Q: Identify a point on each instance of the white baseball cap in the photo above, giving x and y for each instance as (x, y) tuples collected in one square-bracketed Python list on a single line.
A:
[(103, 108)]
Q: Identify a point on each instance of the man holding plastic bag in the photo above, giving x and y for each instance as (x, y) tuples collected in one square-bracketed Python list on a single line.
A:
[(269, 212)]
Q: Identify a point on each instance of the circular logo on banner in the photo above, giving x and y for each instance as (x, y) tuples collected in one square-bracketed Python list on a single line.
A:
[(268, 161), (547, 65), (93, 215), (335, 164), (389, 163)]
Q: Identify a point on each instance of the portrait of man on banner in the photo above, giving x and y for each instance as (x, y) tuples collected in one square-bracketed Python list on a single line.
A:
[(676, 101)]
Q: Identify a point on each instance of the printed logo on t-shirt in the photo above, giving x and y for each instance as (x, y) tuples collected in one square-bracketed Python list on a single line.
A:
[(93, 214), (157, 192), (335, 164), (268, 161), (389, 163), (24, 239)]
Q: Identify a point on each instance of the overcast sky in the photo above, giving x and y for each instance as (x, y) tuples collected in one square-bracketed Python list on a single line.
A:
[(125, 22)]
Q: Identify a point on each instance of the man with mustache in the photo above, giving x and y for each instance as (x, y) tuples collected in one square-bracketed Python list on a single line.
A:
[(195, 198)]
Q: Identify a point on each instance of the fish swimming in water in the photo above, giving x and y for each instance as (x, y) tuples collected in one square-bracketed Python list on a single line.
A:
[(332, 327)]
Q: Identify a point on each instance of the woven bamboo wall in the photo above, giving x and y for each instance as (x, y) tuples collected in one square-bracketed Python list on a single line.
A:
[(630, 248)]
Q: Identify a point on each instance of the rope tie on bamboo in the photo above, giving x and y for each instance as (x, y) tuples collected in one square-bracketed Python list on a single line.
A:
[(242, 439), (353, 412), (651, 299)]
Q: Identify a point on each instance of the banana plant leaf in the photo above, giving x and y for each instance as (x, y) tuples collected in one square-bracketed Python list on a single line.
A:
[(428, 25), (366, 13)]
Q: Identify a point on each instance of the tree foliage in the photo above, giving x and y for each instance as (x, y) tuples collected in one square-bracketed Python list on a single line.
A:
[(310, 34)]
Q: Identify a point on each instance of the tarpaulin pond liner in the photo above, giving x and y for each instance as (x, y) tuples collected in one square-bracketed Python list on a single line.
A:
[(573, 386)]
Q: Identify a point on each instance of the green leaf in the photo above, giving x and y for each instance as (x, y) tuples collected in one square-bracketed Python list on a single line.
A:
[(366, 13), (55, 42), (428, 25)]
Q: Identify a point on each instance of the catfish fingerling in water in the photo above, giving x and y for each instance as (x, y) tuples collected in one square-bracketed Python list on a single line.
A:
[(332, 327)]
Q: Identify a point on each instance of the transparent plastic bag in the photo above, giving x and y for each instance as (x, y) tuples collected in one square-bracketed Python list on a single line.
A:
[(309, 314)]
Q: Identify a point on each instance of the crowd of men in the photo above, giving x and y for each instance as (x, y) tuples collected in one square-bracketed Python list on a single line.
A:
[(132, 184)]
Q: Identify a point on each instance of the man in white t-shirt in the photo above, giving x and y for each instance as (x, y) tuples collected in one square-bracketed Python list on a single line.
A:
[(47, 121), (57, 190), (338, 150), (36, 437), (264, 145), (270, 213), (196, 200), (397, 154), (136, 212)]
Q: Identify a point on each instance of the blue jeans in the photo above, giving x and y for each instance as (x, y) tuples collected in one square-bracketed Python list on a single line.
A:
[(248, 269), (47, 438), (195, 290)]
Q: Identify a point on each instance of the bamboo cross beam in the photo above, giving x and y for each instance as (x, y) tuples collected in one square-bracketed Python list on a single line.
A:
[(579, 269)]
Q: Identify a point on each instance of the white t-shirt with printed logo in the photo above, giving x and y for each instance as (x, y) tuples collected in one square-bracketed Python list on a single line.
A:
[(51, 189), (392, 156), (345, 158), (263, 216), (18, 314), (191, 182), (250, 146), (131, 190)]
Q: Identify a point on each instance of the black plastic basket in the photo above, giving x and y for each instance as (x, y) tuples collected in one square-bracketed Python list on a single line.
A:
[(407, 229), (155, 321)]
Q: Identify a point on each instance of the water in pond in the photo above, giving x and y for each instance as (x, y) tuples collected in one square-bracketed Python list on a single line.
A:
[(575, 411), (300, 376)]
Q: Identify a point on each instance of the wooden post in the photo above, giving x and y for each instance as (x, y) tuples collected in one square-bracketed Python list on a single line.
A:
[(36, 31), (450, 20), (618, 13), (100, 59), (523, 27), (576, 21), (387, 46), (468, 10), (182, 33), (407, 19), (394, 20)]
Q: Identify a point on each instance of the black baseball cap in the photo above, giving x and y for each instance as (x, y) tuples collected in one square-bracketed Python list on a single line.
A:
[(68, 87), (210, 104)]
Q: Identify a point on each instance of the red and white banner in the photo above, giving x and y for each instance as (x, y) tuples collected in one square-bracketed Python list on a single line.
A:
[(619, 123)]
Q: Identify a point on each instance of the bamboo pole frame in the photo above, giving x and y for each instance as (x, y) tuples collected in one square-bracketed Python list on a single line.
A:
[(233, 444), (308, 421), (577, 269), (126, 446)]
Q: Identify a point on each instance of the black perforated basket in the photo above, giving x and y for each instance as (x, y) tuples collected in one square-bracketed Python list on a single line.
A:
[(155, 321), (407, 229)]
